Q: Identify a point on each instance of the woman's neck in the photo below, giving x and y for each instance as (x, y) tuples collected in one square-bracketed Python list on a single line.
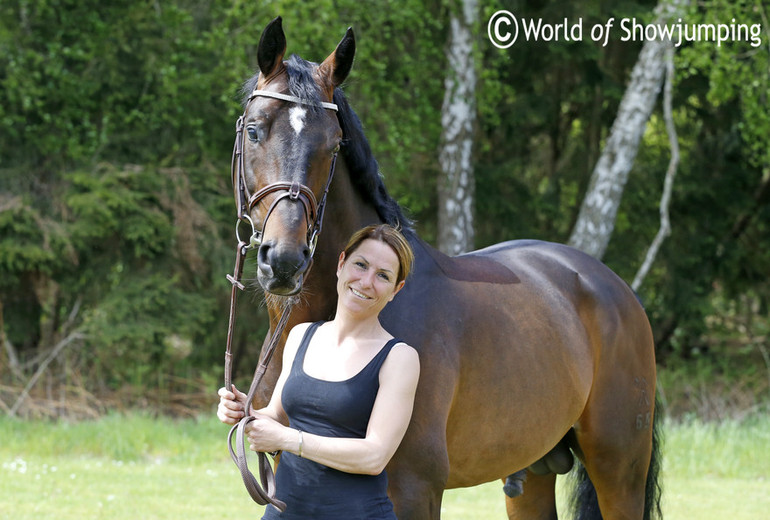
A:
[(345, 326)]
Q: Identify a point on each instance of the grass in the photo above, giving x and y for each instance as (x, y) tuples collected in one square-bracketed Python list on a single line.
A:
[(139, 467)]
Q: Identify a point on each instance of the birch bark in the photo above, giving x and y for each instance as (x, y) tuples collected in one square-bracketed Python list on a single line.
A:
[(596, 220), (458, 115), (668, 183)]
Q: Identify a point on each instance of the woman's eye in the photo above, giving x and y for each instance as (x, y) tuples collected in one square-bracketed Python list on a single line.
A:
[(384, 277), (360, 265)]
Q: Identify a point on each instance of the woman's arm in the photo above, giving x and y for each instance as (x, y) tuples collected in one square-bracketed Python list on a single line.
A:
[(387, 425), (232, 401)]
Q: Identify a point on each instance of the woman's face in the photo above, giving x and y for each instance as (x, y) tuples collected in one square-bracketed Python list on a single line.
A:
[(366, 281)]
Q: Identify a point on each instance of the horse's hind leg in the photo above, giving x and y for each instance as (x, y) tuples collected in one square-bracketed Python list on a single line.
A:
[(538, 502), (615, 440), (619, 478)]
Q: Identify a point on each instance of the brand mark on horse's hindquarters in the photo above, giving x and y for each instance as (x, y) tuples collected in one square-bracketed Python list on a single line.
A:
[(642, 419), (297, 119)]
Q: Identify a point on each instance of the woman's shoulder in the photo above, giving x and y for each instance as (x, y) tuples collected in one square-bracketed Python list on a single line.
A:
[(300, 329), (402, 356), (404, 347), (294, 339), (400, 371)]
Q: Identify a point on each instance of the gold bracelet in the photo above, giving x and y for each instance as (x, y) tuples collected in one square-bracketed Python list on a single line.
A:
[(300, 443)]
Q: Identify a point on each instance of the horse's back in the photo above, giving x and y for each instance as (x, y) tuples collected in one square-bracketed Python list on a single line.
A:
[(541, 257), (512, 283), (605, 305)]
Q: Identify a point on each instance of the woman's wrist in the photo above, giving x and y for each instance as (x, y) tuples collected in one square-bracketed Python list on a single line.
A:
[(300, 444), (294, 442)]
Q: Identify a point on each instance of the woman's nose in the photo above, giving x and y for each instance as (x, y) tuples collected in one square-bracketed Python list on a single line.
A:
[(367, 280)]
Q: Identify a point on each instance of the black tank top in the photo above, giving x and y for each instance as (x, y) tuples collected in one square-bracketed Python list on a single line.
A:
[(331, 409)]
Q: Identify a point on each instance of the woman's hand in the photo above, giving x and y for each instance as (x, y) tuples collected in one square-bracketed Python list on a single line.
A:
[(268, 435), (231, 405)]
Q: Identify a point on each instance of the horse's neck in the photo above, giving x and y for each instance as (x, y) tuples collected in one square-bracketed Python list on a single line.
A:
[(347, 212)]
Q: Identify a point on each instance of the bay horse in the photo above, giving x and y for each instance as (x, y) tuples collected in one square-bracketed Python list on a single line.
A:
[(530, 351)]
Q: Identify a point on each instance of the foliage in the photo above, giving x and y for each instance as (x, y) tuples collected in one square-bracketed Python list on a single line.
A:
[(116, 126), (720, 207), (545, 109)]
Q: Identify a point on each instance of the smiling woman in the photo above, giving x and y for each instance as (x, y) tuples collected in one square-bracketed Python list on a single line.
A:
[(366, 279), (345, 395), (373, 267)]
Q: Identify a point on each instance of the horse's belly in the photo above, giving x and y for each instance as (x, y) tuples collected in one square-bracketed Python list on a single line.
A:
[(522, 386), (500, 434)]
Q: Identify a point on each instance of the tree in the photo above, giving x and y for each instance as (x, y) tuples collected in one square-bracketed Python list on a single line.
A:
[(596, 220), (665, 200), (710, 291), (458, 114)]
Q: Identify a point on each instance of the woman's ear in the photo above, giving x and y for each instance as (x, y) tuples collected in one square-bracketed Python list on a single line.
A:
[(399, 286), (340, 263)]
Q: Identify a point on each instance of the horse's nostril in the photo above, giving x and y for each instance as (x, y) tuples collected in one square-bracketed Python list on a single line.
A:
[(282, 264), (263, 260)]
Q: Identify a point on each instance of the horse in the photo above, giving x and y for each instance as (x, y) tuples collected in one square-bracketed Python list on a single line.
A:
[(531, 352)]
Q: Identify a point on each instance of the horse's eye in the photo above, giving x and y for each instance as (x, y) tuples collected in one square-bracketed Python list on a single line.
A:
[(253, 134)]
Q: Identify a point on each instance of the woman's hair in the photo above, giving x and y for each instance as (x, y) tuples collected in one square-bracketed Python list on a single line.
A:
[(393, 238)]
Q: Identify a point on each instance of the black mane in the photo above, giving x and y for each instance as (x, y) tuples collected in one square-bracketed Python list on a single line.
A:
[(355, 148), (363, 167)]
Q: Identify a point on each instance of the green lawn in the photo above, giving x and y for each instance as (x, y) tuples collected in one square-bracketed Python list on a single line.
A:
[(142, 468)]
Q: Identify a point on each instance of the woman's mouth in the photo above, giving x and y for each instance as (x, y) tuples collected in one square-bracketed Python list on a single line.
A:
[(360, 294)]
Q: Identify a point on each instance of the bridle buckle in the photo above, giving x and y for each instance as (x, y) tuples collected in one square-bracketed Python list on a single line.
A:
[(294, 190)]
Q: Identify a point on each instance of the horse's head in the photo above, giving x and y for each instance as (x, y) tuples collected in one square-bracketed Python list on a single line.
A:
[(284, 156)]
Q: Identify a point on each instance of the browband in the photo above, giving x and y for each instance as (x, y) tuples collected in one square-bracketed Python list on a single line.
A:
[(293, 99)]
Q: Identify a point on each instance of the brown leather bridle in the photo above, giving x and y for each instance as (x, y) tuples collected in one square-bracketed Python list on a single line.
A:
[(264, 492), (294, 191)]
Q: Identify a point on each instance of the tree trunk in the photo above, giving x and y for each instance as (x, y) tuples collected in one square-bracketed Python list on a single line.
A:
[(668, 183), (596, 219), (458, 116)]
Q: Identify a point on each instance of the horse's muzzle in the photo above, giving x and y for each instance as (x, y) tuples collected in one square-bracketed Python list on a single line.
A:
[(281, 270)]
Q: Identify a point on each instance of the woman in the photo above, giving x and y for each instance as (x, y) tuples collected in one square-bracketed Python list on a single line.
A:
[(344, 398)]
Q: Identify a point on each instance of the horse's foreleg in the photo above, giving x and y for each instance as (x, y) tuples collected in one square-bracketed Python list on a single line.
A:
[(415, 498), (537, 502), (417, 476)]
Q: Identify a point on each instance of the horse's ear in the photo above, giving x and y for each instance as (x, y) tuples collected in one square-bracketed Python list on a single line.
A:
[(272, 46), (337, 66)]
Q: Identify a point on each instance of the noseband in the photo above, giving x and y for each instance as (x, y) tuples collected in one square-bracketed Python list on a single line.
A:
[(264, 492), (294, 191)]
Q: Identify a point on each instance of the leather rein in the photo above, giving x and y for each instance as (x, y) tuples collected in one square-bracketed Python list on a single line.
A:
[(263, 491)]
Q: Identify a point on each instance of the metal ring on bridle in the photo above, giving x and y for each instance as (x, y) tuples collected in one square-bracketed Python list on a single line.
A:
[(256, 237)]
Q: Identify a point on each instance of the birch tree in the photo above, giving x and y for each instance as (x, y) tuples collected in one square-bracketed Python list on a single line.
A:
[(596, 219), (668, 182), (458, 116)]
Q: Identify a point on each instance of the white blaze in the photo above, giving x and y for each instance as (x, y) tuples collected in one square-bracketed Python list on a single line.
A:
[(297, 119)]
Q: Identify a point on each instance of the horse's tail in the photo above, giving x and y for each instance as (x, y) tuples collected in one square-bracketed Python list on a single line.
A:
[(652, 490), (584, 502)]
